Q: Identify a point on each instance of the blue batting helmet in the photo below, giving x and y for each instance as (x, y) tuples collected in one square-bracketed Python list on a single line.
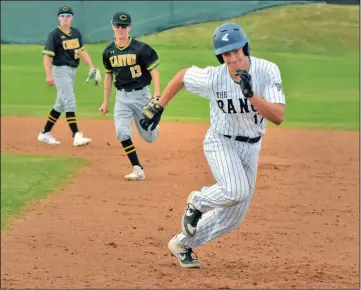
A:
[(227, 37)]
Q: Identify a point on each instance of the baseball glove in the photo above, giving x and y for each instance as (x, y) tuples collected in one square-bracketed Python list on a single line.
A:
[(152, 112), (94, 76), (245, 83)]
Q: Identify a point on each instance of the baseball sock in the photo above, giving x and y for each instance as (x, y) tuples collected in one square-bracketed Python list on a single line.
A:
[(52, 118), (131, 152), (70, 118)]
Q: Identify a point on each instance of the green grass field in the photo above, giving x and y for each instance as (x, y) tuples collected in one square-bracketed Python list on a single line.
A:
[(316, 47), (26, 178)]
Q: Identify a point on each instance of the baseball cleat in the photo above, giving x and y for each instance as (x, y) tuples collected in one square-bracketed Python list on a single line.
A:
[(184, 255), (191, 217), (47, 138), (137, 174), (80, 140)]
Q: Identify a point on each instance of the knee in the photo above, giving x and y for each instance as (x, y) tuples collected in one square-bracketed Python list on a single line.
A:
[(70, 108), (68, 96), (238, 195), (69, 102), (122, 137), (59, 108), (235, 198), (122, 134), (149, 137)]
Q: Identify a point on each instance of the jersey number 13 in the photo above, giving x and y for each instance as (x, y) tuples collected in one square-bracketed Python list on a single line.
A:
[(136, 71)]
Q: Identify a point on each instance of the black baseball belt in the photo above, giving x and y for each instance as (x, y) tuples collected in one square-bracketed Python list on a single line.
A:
[(244, 139), (132, 90)]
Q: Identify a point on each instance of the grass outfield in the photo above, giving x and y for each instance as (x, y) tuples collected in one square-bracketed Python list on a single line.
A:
[(22, 180), (316, 47)]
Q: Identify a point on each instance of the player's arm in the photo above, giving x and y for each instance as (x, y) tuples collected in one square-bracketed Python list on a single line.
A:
[(150, 61), (87, 59), (47, 65), (108, 81), (173, 87), (49, 53), (94, 74), (194, 80), (272, 104), (153, 111), (83, 53), (272, 112), (156, 82)]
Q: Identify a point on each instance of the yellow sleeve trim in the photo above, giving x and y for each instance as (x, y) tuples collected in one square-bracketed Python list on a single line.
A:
[(153, 65), (108, 71), (48, 52), (82, 48)]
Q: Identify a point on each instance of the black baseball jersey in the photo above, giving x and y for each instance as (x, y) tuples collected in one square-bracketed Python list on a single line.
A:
[(64, 48), (130, 65)]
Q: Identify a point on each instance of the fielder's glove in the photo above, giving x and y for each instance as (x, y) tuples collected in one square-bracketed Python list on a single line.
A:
[(94, 76), (245, 83), (152, 112)]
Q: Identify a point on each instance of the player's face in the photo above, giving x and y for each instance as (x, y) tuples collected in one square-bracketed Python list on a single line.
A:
[(65, 19), (235, 59), (121, 31)]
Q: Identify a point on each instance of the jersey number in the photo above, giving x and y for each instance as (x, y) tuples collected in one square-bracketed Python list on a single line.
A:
[(76, 53), (255, 117), (136, 71)]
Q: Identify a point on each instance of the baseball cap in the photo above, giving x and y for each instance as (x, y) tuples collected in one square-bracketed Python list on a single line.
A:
[(122, 18), (65, 9)]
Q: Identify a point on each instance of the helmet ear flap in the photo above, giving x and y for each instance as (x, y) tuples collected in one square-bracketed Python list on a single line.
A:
[(220, 58), (247, 49)]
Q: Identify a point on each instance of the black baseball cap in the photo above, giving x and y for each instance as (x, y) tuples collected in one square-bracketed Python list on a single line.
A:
[(122, 18), (65, 9)]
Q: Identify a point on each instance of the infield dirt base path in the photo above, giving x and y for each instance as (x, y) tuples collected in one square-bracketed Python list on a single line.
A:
[(302, 229)]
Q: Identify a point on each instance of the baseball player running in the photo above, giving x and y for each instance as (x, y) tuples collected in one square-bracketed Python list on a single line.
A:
[(243, 92), (63, 50), (133, 65)]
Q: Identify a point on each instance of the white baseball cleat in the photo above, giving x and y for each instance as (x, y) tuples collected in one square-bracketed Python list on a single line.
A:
[(183, 254), (80, 140), (47, 138), (137, 174)]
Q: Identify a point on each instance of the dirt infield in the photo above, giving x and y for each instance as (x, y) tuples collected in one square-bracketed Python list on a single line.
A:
[(302, 229)]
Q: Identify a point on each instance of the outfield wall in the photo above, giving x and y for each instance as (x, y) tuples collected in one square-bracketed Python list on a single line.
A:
[(29, 22)]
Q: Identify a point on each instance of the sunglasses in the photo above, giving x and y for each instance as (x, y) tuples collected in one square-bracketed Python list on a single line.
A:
[(124, 26), (65, 15)]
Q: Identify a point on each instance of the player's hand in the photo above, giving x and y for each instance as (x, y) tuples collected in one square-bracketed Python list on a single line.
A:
[(152, 112), (49, 81), (157, 97), (245, 83), (103, 109)]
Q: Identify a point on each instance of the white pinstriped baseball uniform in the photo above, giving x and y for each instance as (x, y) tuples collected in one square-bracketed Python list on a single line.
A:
[(233, 163)]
